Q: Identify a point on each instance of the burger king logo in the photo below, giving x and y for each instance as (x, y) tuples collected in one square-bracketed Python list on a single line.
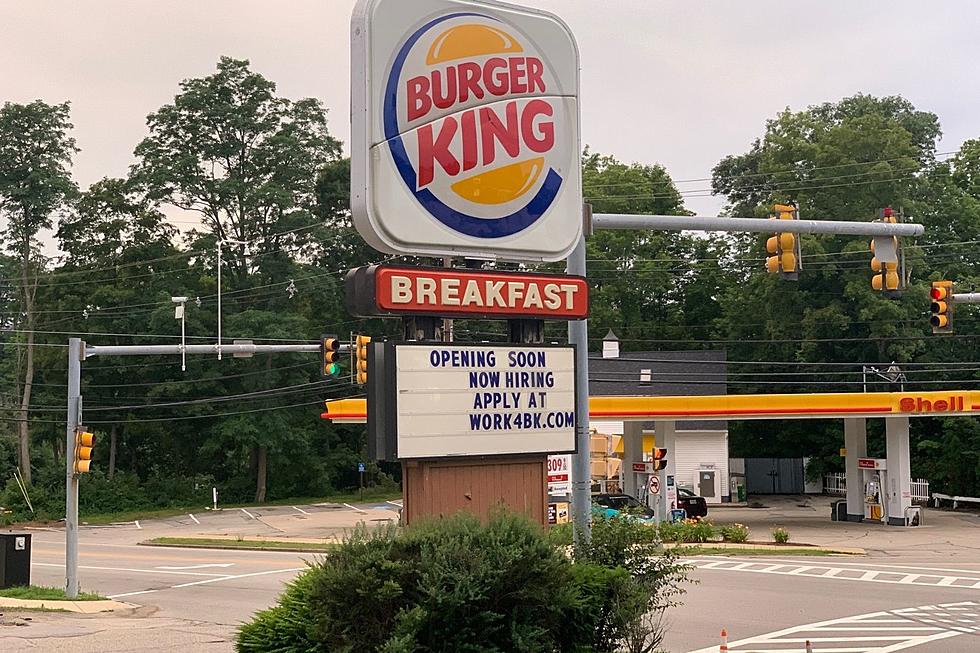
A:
[(477, 125)]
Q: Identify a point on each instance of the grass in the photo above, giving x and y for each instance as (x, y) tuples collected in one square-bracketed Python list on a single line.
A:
[(251, 545), (721, 551), (41, 593), (370, 495)]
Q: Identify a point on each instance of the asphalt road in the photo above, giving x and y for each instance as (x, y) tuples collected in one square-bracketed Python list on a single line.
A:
[(194, 599), (871, 606)]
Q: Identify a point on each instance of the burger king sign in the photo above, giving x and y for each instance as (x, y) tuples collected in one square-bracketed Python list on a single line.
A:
[(465, 130)]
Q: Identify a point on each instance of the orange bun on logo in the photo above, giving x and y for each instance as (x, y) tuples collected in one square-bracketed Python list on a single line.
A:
[(476, 125)]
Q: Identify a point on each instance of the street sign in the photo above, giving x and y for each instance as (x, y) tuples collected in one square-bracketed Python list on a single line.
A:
[(360, 467), (447, 292), (654, 485), (645, 468), (465, 130), (871, 463), (478, 400)]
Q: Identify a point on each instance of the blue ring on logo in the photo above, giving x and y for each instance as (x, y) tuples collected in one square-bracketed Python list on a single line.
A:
[(466, 224)]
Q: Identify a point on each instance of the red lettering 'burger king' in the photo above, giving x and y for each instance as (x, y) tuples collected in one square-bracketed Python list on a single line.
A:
[(478, 127)]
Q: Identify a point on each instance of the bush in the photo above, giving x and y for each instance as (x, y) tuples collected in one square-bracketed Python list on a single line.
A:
[(780, 535), (689, 530), (450, 585), (737, 533)]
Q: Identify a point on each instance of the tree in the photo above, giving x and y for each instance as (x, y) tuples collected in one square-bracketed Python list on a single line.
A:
[(35, 182), (247, 161)]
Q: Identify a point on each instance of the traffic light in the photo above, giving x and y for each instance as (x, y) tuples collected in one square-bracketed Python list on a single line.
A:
[(330, 355), (941, 318), (84, 443), (784, 247), (659, 459), (361, 358), (885, 264)]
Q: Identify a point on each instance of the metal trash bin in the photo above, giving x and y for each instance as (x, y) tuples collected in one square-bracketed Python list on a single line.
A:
[(15, 559), (838, 511)]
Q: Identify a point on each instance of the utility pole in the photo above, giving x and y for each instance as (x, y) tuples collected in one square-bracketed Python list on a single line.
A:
[(78, 351)]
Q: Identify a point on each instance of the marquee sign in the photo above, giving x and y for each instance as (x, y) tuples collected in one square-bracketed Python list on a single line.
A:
[(395, 290), (479, 400), (465, 130)]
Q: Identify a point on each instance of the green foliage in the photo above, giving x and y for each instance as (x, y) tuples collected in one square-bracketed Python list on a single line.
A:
[(42, 593), (736, 533), (452, 585), (688, 530), (780, 535)]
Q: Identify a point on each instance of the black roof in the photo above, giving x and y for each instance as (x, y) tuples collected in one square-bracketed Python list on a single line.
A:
[(662, 373)]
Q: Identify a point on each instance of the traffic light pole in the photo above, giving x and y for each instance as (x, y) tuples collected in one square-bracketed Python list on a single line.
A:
[(966, 298), (78, 351), (759, 225), (578, 333)]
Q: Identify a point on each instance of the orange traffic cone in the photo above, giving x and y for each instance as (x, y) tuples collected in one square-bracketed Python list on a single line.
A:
[(724, 642)]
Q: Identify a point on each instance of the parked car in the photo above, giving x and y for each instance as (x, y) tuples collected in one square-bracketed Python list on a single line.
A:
[(614, 505), (694, 505)]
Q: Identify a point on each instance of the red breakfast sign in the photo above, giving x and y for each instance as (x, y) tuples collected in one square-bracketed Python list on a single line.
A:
[(388, 290)]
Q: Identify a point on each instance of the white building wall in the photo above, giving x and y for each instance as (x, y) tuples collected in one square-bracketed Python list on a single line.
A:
[(697, 448)]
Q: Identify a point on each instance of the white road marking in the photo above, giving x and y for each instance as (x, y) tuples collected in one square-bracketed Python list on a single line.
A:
[(224, 578), (216, 564), (119, 596), (396, 503), (356, 508), (137, 522), (193, 518), (869, 564), (909, 632), (248, 513), (133, 570), (300, 509), (834, 573)]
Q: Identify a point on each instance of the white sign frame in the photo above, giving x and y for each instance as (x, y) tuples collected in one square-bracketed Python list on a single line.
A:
[(431, 407), (393, 208)]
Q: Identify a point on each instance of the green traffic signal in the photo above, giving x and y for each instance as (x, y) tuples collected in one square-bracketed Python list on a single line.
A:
[(332, 369)]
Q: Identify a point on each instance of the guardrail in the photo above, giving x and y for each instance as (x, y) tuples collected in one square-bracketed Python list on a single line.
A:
[(836, 483), (937, 497)]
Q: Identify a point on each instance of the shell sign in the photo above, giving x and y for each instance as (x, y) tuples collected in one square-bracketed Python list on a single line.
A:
[(465, 130)]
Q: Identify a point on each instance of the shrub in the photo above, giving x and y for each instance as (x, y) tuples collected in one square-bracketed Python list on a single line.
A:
[(452, 584), (689, 530), (737, 533), (780, 535)]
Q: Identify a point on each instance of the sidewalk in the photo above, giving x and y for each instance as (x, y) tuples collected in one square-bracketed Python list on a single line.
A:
[(943, 534)]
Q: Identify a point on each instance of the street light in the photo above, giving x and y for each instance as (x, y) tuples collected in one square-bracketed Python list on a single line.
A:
[(179, 315), (220, 243)]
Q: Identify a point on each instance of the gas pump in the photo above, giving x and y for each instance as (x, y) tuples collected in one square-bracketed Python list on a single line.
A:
[(874, 473)]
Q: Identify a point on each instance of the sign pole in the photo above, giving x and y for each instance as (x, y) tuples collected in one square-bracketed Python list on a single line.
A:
[(578, 336)]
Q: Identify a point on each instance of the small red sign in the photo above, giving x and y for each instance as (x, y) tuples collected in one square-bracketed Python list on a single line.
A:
[(476, 293), (866, 463), (639, 467)]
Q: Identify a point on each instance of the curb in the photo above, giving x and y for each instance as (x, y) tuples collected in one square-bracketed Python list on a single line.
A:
[(221, 547), (82, 607), (769, 548)]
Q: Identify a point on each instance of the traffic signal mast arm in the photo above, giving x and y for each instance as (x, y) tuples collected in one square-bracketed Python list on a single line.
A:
[(966, 298), (618, 221)]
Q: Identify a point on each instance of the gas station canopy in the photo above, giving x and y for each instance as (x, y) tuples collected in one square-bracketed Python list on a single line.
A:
[(734, 407)]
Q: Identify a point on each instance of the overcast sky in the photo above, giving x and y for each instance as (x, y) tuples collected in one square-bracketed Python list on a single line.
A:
[(674, 82)]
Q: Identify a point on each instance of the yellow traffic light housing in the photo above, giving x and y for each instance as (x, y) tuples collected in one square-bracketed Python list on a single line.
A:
[(784, 248), (887, 261), (659, 459), (330, 355), (361, 358), (941, 308), (84, 445)]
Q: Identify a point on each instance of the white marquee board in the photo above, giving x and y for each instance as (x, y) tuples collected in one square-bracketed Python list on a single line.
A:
[(476, 400)]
